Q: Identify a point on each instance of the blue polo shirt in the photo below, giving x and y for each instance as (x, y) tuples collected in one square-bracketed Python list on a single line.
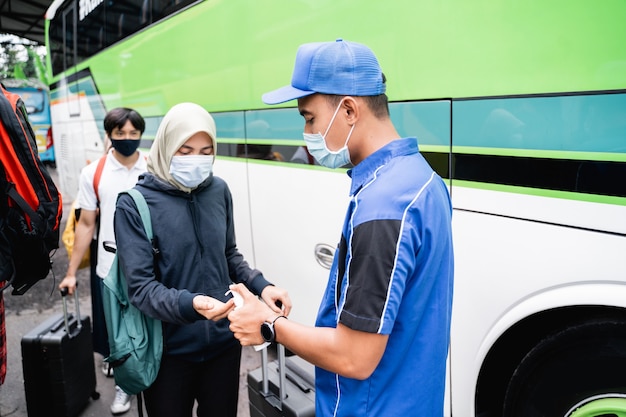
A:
[(392, 274)]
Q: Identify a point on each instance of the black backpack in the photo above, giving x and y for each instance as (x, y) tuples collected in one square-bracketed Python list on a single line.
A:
[(30, 204)]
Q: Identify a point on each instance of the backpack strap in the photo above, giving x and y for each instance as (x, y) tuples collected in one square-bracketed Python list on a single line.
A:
[(144, 211), (23, 204), (98, 175)]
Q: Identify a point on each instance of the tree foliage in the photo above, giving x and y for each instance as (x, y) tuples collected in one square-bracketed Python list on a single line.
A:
[(20, 58)]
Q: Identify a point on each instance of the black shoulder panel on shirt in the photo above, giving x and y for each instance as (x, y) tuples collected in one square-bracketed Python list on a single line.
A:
[(373, 255)]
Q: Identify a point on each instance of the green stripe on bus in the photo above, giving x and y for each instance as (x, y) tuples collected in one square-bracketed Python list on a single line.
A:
[(620, 201)]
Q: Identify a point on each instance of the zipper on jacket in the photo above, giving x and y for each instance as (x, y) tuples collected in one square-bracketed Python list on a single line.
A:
[(194, 212)]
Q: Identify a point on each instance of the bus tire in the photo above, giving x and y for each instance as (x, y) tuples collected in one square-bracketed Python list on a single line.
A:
[(584, 362)]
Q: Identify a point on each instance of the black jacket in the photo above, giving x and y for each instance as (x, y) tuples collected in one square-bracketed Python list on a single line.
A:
[(195, 236)]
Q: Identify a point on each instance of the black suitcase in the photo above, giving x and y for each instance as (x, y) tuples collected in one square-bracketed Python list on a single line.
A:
[(285, 388), (58, 365)]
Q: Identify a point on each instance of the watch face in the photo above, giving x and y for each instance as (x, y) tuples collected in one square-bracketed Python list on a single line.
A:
[(267, 332)]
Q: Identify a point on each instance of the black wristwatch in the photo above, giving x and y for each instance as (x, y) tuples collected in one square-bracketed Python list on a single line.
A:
[(267, 330)]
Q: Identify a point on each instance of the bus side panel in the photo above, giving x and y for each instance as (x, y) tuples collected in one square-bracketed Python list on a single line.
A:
[(234, 172), (292, 211), (504, 262), (77, 112), (78, 142)]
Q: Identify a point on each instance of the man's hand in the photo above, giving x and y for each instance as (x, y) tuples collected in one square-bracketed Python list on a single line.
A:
[(245, 322), (83, 235), (68, 282), (212, 308)]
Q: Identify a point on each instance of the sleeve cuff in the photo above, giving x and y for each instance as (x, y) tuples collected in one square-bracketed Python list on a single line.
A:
[(258, 284), (185, 304)]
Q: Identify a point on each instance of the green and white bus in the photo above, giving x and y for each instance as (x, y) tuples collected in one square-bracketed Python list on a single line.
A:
[(519, 105)]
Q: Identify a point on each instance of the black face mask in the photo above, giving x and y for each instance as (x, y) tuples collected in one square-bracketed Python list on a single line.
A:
[(126, 147)]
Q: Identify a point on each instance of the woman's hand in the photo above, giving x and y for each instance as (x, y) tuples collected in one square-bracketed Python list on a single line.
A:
[(212, 308), (277, 299)]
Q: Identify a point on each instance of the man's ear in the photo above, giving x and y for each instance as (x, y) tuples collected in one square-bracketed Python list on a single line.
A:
[(107, 142), (351, 110)]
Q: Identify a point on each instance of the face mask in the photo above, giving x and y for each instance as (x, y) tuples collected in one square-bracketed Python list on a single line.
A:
[(126, 147), (316, 144), (191, 170)]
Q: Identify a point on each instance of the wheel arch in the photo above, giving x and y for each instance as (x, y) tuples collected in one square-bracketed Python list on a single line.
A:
[(525, 325)]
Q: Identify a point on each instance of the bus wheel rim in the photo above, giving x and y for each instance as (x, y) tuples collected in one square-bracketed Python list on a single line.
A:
[(600, 405)]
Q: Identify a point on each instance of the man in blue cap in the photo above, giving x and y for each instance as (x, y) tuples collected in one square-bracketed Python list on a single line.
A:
[(381, 338)]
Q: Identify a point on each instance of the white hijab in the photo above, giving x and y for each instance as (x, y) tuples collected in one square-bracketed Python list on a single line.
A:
[(180, 123)]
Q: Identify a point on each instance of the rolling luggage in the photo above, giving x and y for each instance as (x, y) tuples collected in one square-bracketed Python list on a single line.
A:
[(58, 364), (285, 388)]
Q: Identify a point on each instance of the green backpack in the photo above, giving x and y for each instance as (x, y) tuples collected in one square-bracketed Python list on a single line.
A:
[(135, 340)]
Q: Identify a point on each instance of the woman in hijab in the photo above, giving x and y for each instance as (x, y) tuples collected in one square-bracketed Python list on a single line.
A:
[(192, 221)]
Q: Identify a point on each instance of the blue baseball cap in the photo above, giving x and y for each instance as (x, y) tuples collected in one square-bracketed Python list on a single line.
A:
[(339, 68)]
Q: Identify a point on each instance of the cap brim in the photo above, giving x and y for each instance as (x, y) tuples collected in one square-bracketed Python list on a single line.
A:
[(284, 94)]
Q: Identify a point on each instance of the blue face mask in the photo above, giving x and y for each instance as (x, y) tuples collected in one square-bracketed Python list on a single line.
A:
[(126, 147), (316, 144), (191, 170)]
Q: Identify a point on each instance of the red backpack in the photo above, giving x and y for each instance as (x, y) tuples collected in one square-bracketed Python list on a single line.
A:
[(30, 204)]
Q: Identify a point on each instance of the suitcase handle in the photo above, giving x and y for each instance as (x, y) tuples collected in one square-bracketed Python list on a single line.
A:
[(298, 382), (79, 324), (282, 370)]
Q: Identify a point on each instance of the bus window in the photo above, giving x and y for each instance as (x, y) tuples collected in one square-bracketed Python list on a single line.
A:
[(55, 44), (90, 32), (163, 8), (33, 100), (69, 37), (123, 18)]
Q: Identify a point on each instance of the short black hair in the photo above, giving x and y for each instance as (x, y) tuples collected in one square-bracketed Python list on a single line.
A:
[(379, 105), (118, 118)]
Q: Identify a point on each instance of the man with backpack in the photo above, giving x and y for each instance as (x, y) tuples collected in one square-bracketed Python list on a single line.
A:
[(100, 183)]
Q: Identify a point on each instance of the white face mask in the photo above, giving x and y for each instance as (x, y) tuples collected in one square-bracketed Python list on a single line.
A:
[(191, 170), (316, 144)]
